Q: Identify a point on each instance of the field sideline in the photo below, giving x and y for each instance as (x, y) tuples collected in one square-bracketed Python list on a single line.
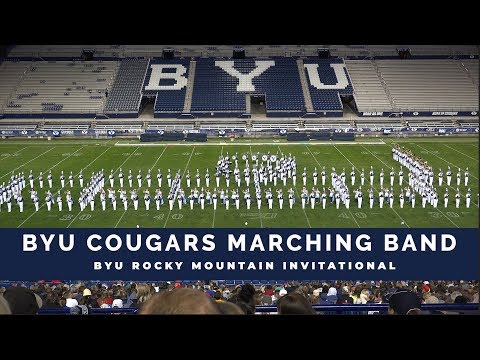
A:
[(93, 155)]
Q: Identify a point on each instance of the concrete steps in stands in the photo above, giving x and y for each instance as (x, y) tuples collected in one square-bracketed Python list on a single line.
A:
[(306, 92)]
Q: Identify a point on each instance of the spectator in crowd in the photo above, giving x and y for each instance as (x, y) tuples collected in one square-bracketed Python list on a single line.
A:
[(229, 308), (180, 301), (404, 302), (345, 298), (22, 301), (294, 304)]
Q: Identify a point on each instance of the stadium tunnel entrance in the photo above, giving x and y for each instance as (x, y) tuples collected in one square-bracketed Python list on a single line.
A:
[(349, 105), (147, 106), (257, 105)]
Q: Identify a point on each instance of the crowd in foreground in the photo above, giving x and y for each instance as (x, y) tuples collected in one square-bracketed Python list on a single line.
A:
[(403, 297)]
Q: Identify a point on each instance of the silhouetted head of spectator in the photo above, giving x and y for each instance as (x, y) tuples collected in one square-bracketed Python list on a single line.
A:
[(22, 301), (294, 304), (217, 296), (404, 302), (180, 301), (246, 299), (4, 307), (229, 308), (461, 300)]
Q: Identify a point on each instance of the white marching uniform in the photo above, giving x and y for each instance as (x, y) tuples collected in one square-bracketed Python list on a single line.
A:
[(412, 199), (192, 201), (59, 203), (180, 201), (290, 201), (402, 200), (457, 201), (214, 199), (467, 200), (459, 178), (120, 178), (171, 201), (48, 201), (248, 201), (114, 202), (466, 178), (202, 201), (20, 202), (449, 177), (146, 200), (36, 203), (40, 181)]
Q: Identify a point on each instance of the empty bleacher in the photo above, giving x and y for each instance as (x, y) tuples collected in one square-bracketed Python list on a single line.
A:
[(468, 123), (11, 74), (325, 99), (120, 126), (471, 68), (126, 93), (372, 123), (370, 95), (431, 123), (18, 126), (429, 85), (61, 88)]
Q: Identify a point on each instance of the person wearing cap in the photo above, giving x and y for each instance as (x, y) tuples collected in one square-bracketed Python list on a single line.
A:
[(88, 299), (404, 302)]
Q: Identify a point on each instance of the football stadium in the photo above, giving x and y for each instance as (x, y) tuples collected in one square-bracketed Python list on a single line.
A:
[(245, 137)]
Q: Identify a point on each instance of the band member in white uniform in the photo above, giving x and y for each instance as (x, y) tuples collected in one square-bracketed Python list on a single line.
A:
[(400, 176), (214, 199), (9, 203), (226, 199), (187, 178), (449, 176), (440, 177), (130, 178), (324, 199), (402, 199), (171, 201), (337, 200), (459, 176), (347, 200), (50, 179), (312, 199), (198, 178), (159, 178), (59, 200), (36, 202), (467, 198), (392, 177), (247, 197), (191, 199), (304, 176), (62, 179), (202, 200), (466, 176), (158, 195), (445, 198), (457, 199), (48, 200), (294, 176), (30, 177), (111, 177), (412, 199), (259, 200), (20, 202), (91, 199), (169, 178), (120, 177), (352, 176), (146, 199), (149, 178), (390, 198), (382, 175), (280, 198), (315, 177), (180, 201), (371, 176), (362, 177), (40, 180), (139, 178), (381, 198), (207, 178)]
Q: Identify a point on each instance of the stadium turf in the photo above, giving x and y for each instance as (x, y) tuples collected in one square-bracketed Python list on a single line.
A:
[(92, 155)]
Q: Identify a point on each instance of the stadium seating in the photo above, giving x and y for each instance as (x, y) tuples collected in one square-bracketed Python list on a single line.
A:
[(168, 102), (429, 85), (61, 89), (215, 91), (327, 99), (370, 95), (126, 93), (11, 73)]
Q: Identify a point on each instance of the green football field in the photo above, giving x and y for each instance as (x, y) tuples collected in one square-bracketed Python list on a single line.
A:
[(92, 155)]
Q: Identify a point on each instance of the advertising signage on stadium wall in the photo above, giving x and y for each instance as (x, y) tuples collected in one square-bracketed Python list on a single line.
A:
[(164, 254)]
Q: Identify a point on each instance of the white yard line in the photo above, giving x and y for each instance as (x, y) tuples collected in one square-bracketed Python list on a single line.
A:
[(184, 171), (353, 217), (121, 217), (33, 213), (255, 202), (158, 158), (16, 152), (460, 152), (372, 185), (214, 210), (448, 162), (299, 197), (28, 162), (405, 181)]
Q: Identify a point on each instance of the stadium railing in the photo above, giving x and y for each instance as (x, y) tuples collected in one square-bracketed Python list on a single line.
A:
[(326, 309)]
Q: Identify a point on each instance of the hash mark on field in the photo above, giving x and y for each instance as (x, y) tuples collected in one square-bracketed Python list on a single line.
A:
[(440, 211), (461, 153), (28, 162), (16, 152), (183, 175)]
